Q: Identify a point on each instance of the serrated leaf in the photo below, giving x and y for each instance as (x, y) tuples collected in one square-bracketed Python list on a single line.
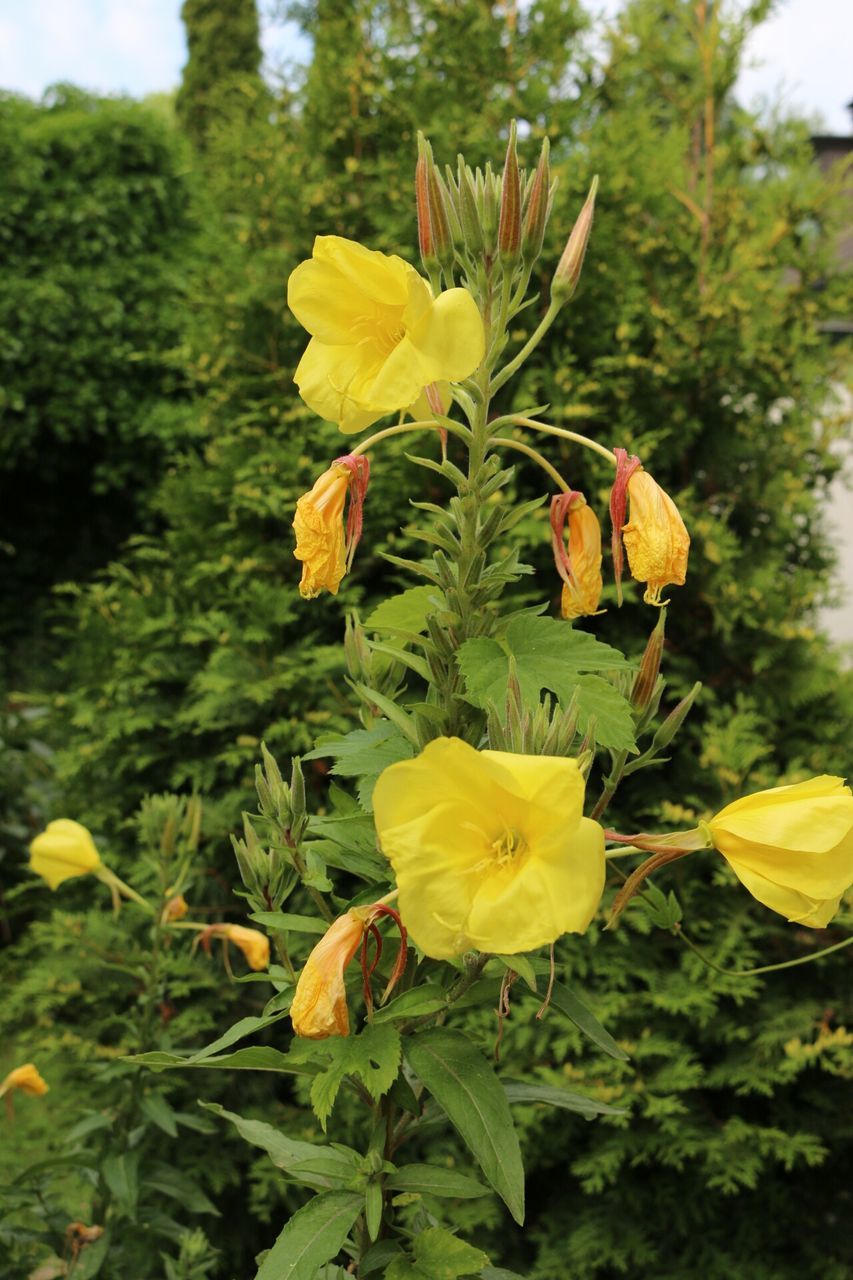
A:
[(407, 611), (568, 1003), (364, 753), (373, 1056), (550, 655), (433, 1180), (443, 1256), (517, 1092), (313, 1236), (413, 1003), (320, 1167), (466, 1088)]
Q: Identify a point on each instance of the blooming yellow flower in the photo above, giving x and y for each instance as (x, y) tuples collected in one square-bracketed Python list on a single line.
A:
[(491, 850), (791, 847), (378, 335), (580, 566), (64, 849), (25, 1078), (319, 1008), (655, 537)]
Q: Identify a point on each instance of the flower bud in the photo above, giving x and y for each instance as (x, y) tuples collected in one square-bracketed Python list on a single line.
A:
[(655, 538), (489, 210), (580, 565), (25, 1078), (468, 212), (647, 676), (538, 208), (569, 267), (673, 722), (64, 849), (175, 909), (791, 847), (509, 222), (428, 255)]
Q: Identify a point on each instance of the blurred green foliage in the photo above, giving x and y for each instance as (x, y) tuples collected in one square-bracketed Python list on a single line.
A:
[(696, 340)]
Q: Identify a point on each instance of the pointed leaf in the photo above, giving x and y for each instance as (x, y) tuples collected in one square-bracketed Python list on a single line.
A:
[(518, 1091), (318, 1166), (568, 1003), (466, 1088), (433, 1180), (313, 1236)]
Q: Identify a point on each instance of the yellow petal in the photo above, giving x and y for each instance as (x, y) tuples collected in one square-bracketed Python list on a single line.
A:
[(796, 907), (325, 303), (333, 381), (449, 337), (64, 849), (379, 277)]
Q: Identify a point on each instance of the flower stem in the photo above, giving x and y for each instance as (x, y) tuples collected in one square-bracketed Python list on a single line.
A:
[(536, 456), (530, 345), (402, 427), (511, 419)]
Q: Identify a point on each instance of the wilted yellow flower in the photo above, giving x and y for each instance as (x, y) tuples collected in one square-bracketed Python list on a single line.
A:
[(254, 944), (655, 537), (580, 565), (378, 335), (64, 849), (175, 909), (791, 847), (324, 547), (319, 1008), (25, 1078), (491, 850)]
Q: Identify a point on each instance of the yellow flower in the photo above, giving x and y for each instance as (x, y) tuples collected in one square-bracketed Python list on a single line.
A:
[(324, 547), (254, 944), (655, 537), (580, 566), (491, 850), (63, 850), (378, 335), (319, 1008), (791, 847), (25, 1078)]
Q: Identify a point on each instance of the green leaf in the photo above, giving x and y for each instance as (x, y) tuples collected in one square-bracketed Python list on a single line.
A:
[(373, 1055), (313, 1236), (443, 1256), (522, 966), (120, 1173), (568, 1003), (171, 1182), (407, 611), (285, 920), (466, 1088), (518, 1091), (413, 1003), (245, 1027), (258, 1058), (378, 1257), (364, 753), (550, 655), (158, 1110), (499, 1273), (433, 1180), (319, 1167)]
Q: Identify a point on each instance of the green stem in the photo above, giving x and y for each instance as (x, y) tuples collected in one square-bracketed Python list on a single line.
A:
[(403, 427), (537, 458), (545, 428), (765, 968), (530, 345)]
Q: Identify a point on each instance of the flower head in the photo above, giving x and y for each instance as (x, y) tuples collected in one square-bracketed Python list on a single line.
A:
[(655, 537), (254, 944), (25, 1078), (490, 849), (378, 335), (64, 849), (319, 1006), (791, 847), (324, 547), (580, 565)]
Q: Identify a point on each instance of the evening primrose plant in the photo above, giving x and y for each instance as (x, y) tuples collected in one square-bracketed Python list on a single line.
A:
[(493, 738)]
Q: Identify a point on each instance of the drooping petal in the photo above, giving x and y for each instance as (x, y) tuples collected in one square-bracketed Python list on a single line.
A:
[(796, 907), (63, 850)]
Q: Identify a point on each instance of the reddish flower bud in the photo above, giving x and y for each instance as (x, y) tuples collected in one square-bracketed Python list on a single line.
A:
[(509, 221), (569, 267)]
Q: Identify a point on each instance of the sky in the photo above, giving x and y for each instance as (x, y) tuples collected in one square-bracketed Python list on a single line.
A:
[(137, 47)]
